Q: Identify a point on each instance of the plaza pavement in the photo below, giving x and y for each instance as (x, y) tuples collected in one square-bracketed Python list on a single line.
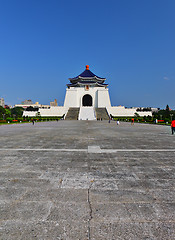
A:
[(87, 180)]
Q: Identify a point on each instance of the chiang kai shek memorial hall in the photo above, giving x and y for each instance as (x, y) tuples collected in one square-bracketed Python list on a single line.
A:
[(87, 98), (89, 94)]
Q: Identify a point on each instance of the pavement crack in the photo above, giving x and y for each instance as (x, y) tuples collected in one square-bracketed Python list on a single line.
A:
[(50, 205), (90, 211)]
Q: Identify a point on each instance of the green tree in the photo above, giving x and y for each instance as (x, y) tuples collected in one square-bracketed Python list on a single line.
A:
[(17, 111), (7, 113), (2, 112), (167, 112)]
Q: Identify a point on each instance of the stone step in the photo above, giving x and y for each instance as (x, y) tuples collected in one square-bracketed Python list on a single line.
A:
[(87, 113), (101, 114), (72, 114)]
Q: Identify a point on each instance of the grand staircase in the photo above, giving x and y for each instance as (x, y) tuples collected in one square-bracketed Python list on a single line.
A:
[(87, 113), (101, 114), (72, 114)]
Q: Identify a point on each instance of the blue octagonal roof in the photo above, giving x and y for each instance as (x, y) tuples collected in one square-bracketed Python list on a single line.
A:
[(87, 74)]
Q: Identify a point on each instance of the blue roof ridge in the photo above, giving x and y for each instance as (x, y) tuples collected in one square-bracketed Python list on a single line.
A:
[(86, 75)]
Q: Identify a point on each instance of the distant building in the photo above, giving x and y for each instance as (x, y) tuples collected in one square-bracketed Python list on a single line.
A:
[(147, 109), (155, 109), (2, 102), (54, 103), (28, 103)]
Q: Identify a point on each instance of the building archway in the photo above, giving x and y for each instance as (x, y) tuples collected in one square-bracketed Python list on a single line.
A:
[(87, 100)]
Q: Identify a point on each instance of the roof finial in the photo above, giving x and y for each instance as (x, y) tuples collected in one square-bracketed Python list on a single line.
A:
[(87, 67)]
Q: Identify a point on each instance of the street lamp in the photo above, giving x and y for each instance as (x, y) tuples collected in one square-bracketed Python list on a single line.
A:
[(171, 115)]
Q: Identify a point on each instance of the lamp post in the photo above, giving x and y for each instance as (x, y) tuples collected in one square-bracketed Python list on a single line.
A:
[(171, 115)]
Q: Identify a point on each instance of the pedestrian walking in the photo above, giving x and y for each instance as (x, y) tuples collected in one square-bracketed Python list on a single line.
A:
[(33, 121), (173, 126), (132, 121)]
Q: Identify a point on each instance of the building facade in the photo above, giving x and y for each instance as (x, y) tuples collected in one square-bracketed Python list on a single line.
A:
[(28, 103), (2, 103), (87, 90), (87, 98), (54, 103)]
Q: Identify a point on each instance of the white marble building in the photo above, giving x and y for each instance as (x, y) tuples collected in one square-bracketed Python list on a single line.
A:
[(87, 89), (87, 92)]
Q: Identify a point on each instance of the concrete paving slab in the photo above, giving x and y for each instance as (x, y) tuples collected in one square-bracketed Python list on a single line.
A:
[(132, 230), (87, 180), (12, 230)]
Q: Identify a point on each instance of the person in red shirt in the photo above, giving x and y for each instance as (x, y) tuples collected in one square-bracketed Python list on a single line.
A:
[(132, 121), (173, 126)]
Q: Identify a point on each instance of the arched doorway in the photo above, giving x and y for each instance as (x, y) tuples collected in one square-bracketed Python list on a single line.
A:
[(87, 100)]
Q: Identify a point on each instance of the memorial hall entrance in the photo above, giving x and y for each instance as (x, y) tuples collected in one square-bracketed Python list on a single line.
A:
[(87, 101)]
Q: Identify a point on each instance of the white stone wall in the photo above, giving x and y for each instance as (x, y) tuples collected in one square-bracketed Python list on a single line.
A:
[(126, 112), (71, 98), (103, 98), (74, 96), (53, 111), (142, 114), (120, 111), (29, 113)]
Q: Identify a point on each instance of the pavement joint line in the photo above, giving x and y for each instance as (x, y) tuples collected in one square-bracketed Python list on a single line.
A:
[(44, 149), (89, 150), (99, 221), (90, 211), (94, 149)]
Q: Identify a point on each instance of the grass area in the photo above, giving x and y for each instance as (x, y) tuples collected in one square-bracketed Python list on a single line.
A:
[(29, 120), (146, 120)]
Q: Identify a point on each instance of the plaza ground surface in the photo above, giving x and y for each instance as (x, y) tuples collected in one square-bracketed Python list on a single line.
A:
[(87, 180)]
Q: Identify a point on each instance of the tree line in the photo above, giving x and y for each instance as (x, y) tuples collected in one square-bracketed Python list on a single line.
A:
[(10, 114), (13, 113), (165, 114)]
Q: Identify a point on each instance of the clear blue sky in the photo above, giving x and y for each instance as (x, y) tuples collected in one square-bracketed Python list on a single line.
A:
[(130, 42)]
